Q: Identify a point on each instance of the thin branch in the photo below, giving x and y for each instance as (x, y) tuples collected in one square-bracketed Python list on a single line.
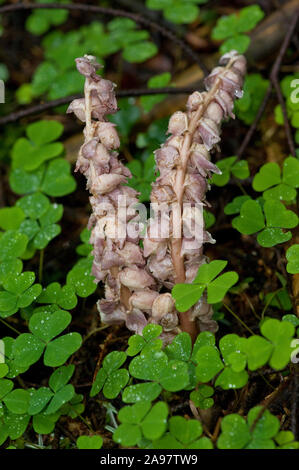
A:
[(111, 12), (39, 108)]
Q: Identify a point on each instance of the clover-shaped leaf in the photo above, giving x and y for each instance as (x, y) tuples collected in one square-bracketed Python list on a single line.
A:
[(147, 342), (64, 296), (110, 377), (280, 335), (201, 397), (53, 178), (252, 220), (30, 153), (19, 293), (141, 420), (187, 295), (227, 166), (292, 256), (275, 186), (44, 326)]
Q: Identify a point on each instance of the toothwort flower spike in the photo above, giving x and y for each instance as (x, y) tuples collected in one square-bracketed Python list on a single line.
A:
[(184, 165), (175, 233), (130, 290)]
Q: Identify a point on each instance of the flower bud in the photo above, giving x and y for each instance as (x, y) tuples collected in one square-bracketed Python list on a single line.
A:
[(162, 305), (135, 278), (108, 135), (178, 123)]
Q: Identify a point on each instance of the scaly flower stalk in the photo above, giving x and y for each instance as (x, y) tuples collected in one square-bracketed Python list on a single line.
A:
[(172, 249), (184, 165)]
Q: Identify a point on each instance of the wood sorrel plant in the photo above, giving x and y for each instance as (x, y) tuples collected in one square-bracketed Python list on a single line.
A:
[(172, 250)]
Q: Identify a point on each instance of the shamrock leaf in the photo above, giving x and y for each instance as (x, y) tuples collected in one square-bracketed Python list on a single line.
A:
[(44, 327), (280, 335), (148, 340), (275, 186), (252, 219), (30, 153), (186, 295), (19, 293), (64, 296), (53, 179), (140, 420), (292, 256), (227, 166), (110, 377), (201, 397), (229, 27)]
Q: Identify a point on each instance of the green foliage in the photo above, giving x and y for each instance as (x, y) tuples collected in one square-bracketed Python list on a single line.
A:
[(31, 169), (229, 166), (89, 442), (289, 87), (110, 377), (267, 221), (40, 21), (186, 295), (142, 176), (158, 81), (255, 87), (141, 420), (276, 186), (257, 432), (56, 77), (80, 279), (19, 292), (177, 11), (232, 27), (292, 256)]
